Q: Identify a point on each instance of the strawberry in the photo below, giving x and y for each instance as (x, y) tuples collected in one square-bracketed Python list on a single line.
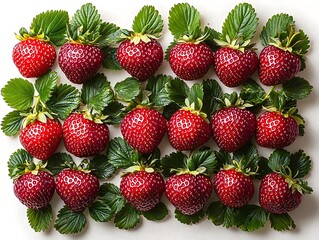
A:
[(276, 196), (190, 61), (188, 192), (35, 190), (232, 127), (84, 137), (78, 189), (142, 189), (233, 67), (80, 62), (274, 130), (187, 130), (33, 57), (41, 139), (143, 128), (234, 189)]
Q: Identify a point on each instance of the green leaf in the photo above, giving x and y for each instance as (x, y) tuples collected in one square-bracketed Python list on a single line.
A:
[(175, 160), (40, 220), (64, 100), (52, 24), (177, 90), (111, 195), (159, 212), (211, 35), (157, 86), (148, 21), (69, 222), (251, 218), (169, 110), (128, 89), (281, 222), (110, 59), (101, 167), (212, 91), (300, 164), (202, 158), (263, 169), (189, 219), (279, 159), (184, 19), (241, 23), (100, 212), (58, 161), (127, 218), (97, 93), (12, 123), (248, 156), (17, 162), (223, 158), (220, 214), (114, 112), (252, 93), (46, 84), (195, 95), (300, 44), (18, 93), (119, 153), (297, 88), (106, 30)]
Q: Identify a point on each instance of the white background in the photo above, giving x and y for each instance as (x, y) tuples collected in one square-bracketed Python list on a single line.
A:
[(16, 14)]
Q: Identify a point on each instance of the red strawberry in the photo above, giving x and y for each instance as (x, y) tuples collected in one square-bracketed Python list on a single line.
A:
[(233, 188), (233, 67), (187, 131), (188, 192), (80, 62), (41, 139), (277, 66), (143, 128), (78, 189), (190, 61), (35, 190), (83, 137), (233, 127), (141, 60), (33, 57), (143, 189), (276, 196), (275, 130)]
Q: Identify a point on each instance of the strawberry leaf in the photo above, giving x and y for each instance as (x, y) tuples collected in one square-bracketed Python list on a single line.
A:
[(59, 161), (100, 212), (281, 222), (109, 59), (159, 212), (223, 158), (211, 35), (106, 30), (300, 164), (169, 110), (251, 218), (263, 169), (202, 158), (297, 88), (101, 167), (40, 220), (184, 19), (12, 123), (212, 91), (46, 84), (18, 161), (18, 93), (240, 24), (220, 214), (112, 197), (65, 98), (127, 218), (148, 21), (177, 91), (114, 112), (173, 161), (119, 153), (195, 96), (189, 219), (253, 93), (128, 89), (248, 157), (69, 222), (157, 86), (52, 24), (97, 93), (278, 160)]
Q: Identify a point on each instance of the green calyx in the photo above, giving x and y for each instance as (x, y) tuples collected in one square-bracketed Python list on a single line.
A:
[(233, 100), (295, 185), (200, 170), (195, 108), (28, 167), (238, 166)]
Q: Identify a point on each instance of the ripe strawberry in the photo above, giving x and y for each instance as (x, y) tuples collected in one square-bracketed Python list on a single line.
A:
[(143, 189), (233, 188), (35, 190), (190, 61), (276, 196), (140, 60), (77, 189), (41, 139), (233, 127), (80, 62), (275, 130), (233, 67), (187, 130), (188, 192), (143, 128), (33, 57), (277, 66), (83, 137)]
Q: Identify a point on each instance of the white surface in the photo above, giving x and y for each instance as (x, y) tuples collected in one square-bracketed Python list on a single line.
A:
[(16, 14)]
